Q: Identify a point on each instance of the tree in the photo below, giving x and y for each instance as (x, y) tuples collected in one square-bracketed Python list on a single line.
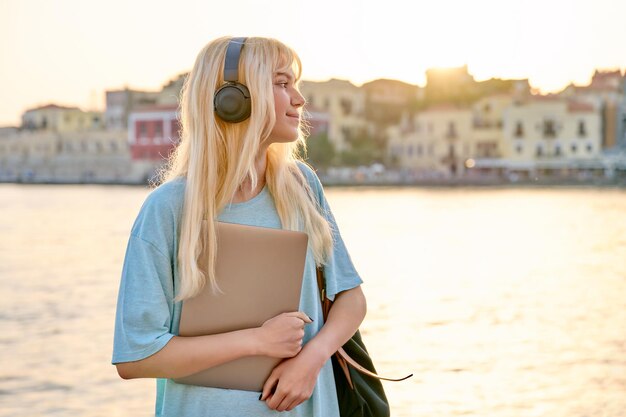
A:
[(364, 150), (320, 150)]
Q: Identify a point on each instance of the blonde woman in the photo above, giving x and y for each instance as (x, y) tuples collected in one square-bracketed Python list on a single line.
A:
[(245, 172)]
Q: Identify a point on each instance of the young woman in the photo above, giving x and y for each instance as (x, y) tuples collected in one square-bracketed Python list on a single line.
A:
[(245, 172)]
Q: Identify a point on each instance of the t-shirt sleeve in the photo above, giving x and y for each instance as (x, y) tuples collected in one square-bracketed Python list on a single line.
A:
[(339, 271), (144, 304), (142, 321)]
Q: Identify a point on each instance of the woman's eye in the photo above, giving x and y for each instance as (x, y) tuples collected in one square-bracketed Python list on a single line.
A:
[(285, 84)]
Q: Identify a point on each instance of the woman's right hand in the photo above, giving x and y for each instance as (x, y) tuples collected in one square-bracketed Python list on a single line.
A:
[(281, 336)]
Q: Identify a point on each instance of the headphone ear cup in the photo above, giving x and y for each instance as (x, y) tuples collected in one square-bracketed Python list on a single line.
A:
[(232, 102)]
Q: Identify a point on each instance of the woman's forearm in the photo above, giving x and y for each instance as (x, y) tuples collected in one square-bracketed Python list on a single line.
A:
[(344, 318), (184, 356)]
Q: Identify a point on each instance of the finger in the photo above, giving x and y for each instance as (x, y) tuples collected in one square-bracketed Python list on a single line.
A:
[(285, 403), (301, 315), (276, 399), (269, 386), (296, 402)]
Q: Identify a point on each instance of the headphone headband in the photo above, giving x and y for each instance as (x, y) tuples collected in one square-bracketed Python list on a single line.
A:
[(231, 66)]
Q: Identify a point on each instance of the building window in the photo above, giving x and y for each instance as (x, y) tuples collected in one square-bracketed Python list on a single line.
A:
[(589, 148), (419, 149), (309, 101), (143, 129), (549, 129), (574, 148), (539, 151), (326, 104), (582, 130), (157, 131), (451, 131), (557, 150), (519, 130), (113, 146), (346, 106), (410, 150)]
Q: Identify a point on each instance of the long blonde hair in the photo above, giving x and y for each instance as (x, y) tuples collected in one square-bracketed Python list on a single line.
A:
[(215, 157)]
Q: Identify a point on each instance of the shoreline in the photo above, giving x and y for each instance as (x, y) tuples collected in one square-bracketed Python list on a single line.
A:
[(543, 183)]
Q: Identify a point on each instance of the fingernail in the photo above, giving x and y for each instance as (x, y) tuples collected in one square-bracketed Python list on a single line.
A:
[(310, 317), (260, 396)]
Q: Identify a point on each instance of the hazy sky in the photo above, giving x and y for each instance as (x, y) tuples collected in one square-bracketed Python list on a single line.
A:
[(70, 51)]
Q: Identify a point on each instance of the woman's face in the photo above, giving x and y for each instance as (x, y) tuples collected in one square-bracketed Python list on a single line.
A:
[(287, 108)]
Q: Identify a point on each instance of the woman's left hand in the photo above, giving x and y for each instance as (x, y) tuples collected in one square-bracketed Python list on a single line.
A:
[(294, 379)]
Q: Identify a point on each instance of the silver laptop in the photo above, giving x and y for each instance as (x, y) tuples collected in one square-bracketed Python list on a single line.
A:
[(260, 271)]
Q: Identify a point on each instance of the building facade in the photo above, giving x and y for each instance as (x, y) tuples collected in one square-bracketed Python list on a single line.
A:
[(55, 118), (498, 136), (546, 128), (121, 103), (607, 93), (153, 132), (46, 156), (433, 143), (345, 105)]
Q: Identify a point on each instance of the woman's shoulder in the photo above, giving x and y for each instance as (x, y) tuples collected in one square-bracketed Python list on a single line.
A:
[(310, 175), (167, 196), (170, 192), (162, 205)]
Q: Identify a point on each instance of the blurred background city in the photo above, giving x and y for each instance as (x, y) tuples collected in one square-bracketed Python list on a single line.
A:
[(488, 141), (569, 125)]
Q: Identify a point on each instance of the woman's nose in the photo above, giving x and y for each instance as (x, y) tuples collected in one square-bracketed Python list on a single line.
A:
[(298, 99)]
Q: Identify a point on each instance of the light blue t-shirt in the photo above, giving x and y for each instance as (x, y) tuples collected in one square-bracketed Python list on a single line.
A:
[(147, 317)]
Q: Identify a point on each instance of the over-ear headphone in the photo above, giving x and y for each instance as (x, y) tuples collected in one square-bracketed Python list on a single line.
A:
[(232, 100)]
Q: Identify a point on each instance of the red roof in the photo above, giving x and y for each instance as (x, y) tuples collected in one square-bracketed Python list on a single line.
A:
[(53, 106)]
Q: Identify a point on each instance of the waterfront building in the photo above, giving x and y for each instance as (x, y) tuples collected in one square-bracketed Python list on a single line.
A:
[(153, 132), (74, 157), (345, 105), (56, 118), (433, 143), (607, 94)]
